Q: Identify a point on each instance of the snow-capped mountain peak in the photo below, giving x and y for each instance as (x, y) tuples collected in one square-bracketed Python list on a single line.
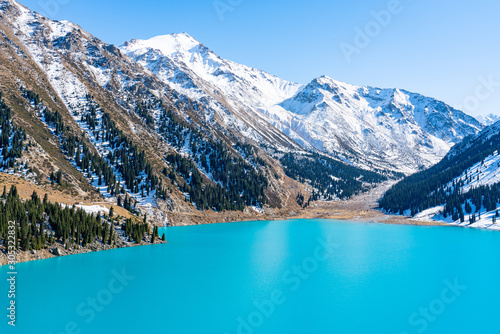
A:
[(165, 53), (326, 81), (232, 92), (168, 45), (489, 119), (392, 128)]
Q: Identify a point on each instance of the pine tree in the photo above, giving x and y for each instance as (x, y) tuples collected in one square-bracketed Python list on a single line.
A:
[(104, 233), (111, 232), (13, 192)]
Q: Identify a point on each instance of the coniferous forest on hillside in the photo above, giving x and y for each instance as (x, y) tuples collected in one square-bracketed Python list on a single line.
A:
[(434, 186), (42, 224)]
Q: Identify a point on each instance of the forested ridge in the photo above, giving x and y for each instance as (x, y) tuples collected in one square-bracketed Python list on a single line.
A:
[(434, 186), (235, 182), (328, 176)]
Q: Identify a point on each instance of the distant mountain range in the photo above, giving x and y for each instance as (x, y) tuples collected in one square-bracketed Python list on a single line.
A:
[(390, 129), (488, 119)]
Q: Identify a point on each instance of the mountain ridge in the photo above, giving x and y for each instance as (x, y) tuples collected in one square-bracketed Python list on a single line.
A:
[(488, 119), (286, 110)]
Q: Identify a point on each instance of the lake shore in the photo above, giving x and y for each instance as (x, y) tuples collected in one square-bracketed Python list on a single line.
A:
[(58, 250), (361, 208)]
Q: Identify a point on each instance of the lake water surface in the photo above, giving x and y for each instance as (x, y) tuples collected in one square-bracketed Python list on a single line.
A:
[(297, 276)]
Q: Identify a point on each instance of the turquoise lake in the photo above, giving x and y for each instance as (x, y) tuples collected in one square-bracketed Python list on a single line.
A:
[(296, 276)]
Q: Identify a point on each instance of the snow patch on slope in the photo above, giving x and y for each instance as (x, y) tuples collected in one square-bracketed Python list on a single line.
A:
[(485, 222), (482, 173), (489, 119)]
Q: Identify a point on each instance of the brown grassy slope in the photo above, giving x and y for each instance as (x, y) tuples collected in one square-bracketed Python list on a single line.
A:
[(25, 189)]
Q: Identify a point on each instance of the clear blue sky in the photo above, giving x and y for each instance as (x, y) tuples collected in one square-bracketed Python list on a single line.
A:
[(437, 48)]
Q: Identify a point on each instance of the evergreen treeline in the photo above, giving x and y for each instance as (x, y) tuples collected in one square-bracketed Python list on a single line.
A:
[(124, 168), (31, 96), (428, 188), (329, 177), (142, 109), (11, 137), (124, 157), (459, 204), (40, 224), (237, 194), (135, 232)]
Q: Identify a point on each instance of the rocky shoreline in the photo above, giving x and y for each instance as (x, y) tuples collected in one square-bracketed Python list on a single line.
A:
[(58, 250)]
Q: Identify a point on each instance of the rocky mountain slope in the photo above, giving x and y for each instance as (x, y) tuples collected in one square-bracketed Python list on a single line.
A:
[(99, 125), (167, 128), (232, 92), (385, 128)]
